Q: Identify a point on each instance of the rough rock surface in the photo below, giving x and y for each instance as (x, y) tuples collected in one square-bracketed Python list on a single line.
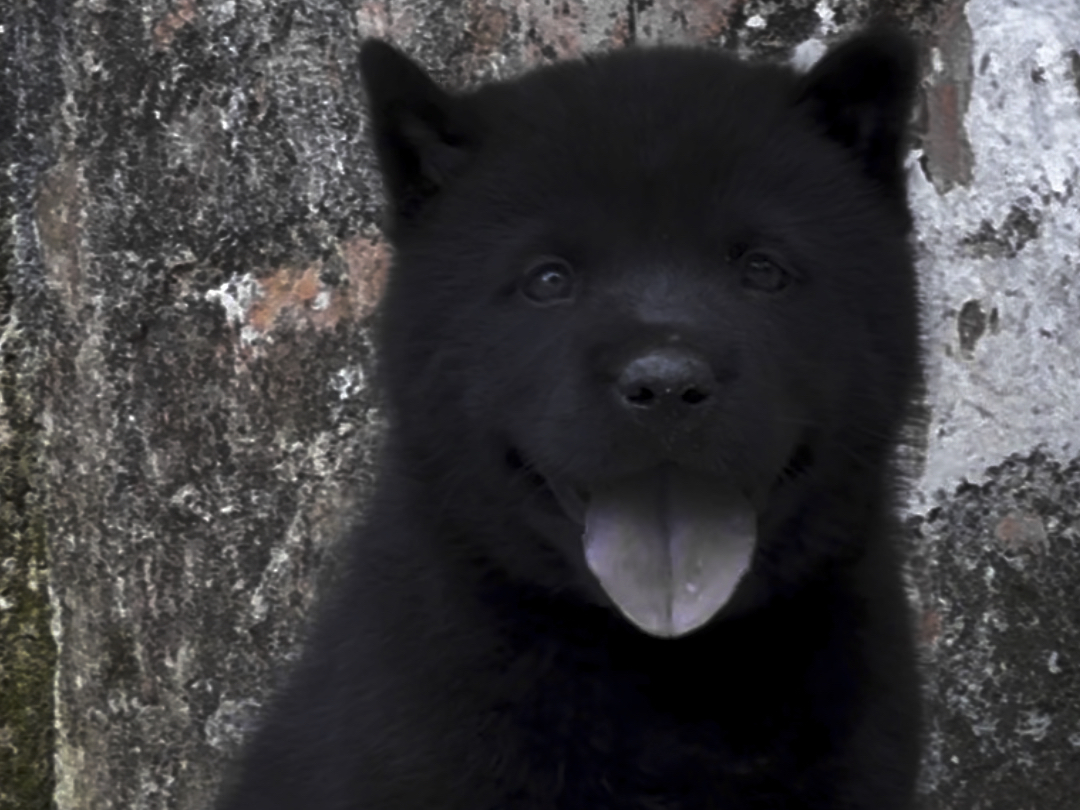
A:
[(189, 262)]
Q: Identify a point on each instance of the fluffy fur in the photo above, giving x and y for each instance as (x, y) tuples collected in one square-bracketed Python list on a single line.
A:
[(660, 259)]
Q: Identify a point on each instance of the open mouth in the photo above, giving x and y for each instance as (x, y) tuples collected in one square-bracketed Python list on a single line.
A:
[(668, 545)]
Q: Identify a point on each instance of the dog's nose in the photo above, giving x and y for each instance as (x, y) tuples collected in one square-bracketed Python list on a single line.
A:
[(673, 382)]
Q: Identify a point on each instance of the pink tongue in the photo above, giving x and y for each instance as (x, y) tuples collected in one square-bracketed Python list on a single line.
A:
[(669, 547)]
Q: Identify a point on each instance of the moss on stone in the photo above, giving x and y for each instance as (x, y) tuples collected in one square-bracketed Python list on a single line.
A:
[(27, 648)]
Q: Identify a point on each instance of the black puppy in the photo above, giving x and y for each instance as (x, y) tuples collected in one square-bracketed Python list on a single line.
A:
[(649, 341)]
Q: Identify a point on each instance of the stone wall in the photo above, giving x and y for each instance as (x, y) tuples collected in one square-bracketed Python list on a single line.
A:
[(189, 261)]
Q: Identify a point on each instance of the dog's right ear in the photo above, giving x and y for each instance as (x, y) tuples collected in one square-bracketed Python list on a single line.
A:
[(420, 131)]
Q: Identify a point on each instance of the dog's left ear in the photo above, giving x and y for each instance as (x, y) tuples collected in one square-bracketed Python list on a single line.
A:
[(421, 135), (861, 93)]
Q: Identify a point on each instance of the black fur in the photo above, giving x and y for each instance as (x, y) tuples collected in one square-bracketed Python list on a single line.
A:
[(556, 236)]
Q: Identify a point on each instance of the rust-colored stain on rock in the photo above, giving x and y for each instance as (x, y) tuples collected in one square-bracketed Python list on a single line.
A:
[(1022, 532), (59, 213), (555, 32), (182, 13), (622, 31), (930, 626), (699, 21), (368, 261), (948, 151), (488, 27), (397, 23), (299, 296)]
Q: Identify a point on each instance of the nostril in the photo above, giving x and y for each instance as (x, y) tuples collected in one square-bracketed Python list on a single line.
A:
[(694, 396), (642, 396)]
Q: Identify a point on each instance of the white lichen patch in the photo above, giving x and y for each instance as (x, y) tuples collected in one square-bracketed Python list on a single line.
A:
[(236, 296), (1006, 247)]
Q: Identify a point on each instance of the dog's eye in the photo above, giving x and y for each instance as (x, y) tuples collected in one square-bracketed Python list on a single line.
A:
[(763, 273), (548, 281)]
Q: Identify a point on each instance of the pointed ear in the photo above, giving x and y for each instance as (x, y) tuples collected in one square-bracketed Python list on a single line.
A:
[(420, 131), (861, 93)]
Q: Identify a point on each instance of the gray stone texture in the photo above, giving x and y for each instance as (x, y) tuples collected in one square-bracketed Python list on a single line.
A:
[(189, 263)]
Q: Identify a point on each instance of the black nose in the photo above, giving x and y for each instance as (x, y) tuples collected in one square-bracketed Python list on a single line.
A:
[(672, 381)]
